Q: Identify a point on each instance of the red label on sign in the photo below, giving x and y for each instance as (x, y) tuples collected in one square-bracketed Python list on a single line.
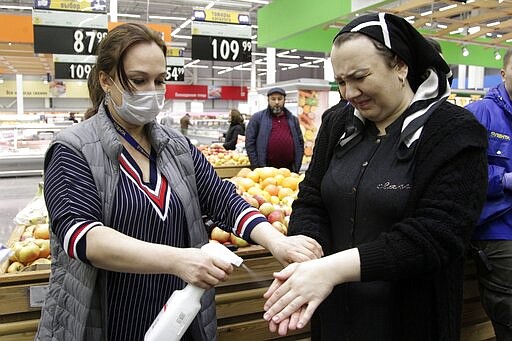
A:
[(234, 93), (186, 92)]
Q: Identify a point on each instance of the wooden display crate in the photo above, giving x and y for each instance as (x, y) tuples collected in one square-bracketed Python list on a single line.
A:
[(239, 303), (22, 296), (228, 171)]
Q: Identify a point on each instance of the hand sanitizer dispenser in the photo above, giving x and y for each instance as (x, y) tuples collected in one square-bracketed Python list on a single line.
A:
[(182, 307)]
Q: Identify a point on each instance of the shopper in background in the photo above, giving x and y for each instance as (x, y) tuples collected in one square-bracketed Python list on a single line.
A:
[(273, 136), (236, 129), (72, 117), (126, 197), (492, 239), (393, 191), (185, 123)]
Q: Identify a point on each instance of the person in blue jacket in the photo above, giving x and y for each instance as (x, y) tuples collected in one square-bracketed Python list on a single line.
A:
[(273, 136), (492, 239)]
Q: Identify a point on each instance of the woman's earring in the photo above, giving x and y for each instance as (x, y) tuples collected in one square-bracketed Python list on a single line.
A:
[(107, 97), (402, 80)]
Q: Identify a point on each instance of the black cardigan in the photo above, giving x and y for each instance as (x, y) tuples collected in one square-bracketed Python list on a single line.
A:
[(423, 255), (232, 135)]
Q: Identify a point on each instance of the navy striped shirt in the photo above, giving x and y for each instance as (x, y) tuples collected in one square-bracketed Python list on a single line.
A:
[(147, 211)]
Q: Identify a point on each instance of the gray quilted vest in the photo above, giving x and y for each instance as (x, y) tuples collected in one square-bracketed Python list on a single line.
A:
[(72, 310)]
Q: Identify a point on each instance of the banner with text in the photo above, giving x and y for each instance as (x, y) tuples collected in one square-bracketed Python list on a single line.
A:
[(186, 92)]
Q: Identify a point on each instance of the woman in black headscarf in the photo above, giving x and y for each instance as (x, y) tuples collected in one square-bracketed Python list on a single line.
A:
[(392, 194)]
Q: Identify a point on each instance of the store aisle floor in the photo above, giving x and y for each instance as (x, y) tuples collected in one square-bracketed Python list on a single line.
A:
[(15, 194)]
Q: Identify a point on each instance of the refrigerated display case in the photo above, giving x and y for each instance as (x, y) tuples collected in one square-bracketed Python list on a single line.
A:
[(24, 140)]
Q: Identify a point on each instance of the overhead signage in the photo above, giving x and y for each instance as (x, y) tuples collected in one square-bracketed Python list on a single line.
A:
[(174, 52), (221, 16), (74, 33), (72, 5), (175, 69), (38, 89), (228, 93), (72, 66), (186, 92), (233, 93), (221, 42), (164, 29), (189, 92)]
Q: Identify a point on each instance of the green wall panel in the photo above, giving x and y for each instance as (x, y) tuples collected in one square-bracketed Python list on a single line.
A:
[(301, 24), (286, 19), (478, 55), (316, 39)]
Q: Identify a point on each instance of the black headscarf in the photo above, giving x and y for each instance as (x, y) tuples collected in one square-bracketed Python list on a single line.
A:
[(403, 39), (428, 74)]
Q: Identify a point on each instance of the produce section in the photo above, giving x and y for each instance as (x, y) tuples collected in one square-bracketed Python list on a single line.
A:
[(309, 120), (239, 300), (30, 238), (220, 157)]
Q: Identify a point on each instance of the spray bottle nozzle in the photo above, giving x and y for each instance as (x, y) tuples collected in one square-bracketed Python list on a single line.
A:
[(220, 251)]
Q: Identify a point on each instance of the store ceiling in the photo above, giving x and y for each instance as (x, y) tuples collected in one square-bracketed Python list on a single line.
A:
[(20, 58), (482, 22), (448, 20)]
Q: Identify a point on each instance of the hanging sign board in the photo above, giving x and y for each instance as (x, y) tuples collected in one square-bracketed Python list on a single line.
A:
[(186, 92), (228, 40), (221, 16), (175, 69), (76, 33), (72, 66), (72, 5)]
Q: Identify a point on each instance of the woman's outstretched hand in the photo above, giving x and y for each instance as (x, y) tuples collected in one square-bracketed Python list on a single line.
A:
[(298, 289), (295, 294)]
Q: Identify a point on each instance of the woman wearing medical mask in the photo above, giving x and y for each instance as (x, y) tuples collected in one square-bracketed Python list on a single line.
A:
[(126, 197)]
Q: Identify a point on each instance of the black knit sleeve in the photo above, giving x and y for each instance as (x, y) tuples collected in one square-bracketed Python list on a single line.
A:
[(232, 137)]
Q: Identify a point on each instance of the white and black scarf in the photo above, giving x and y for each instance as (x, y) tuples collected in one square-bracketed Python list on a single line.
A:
[(429, 76)]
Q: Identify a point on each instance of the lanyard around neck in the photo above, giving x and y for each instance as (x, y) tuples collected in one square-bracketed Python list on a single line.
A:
[(129, 138)]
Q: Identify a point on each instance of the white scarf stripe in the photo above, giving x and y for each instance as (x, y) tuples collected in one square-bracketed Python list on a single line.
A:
[(365, 24), (428, 89), (383, 26), (385, 31)]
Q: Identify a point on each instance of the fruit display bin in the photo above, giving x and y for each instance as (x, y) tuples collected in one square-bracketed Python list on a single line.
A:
[(239, 303), (228, 171)]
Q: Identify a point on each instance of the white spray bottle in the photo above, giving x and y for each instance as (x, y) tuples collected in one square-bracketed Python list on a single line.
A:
[(182, 307)]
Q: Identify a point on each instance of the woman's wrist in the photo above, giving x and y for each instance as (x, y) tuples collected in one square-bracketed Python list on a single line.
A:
[(345, 266), (267, 236)]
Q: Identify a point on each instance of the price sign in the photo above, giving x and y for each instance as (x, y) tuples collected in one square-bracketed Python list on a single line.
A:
[(221, 42), (73, 67), (221, 49), (175, 69), (59, 34), (37, 295), (175, 73), (72, 70)]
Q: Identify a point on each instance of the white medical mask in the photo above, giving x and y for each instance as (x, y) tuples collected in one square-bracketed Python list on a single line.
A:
[(141, 107)]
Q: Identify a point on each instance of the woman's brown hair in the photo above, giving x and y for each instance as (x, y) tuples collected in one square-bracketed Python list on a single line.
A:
[(111, 52), (235, 117)]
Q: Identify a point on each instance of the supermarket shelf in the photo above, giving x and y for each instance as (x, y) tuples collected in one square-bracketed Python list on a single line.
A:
[(21, 165)]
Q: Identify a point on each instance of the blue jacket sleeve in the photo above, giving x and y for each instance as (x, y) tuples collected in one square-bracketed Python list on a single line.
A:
[(251, 134)]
